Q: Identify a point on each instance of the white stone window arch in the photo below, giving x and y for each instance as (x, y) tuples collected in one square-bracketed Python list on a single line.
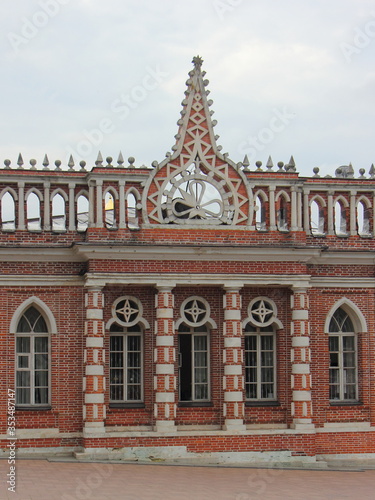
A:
[(194, 327), (343, 323), (59, 199), (317, 215), (282, 201), (33, 199), (260, 350), (32, 324), (261, 199), (341, 207), (110, 197), (363, 206), (82, 210), (8, 198)]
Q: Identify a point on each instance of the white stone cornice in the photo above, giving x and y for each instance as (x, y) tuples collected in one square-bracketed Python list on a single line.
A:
[(32, 281), (102, 279), (342, 282), (200, 253), (345, 257)]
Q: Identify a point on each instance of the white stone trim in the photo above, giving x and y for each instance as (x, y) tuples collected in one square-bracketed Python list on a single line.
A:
[(232, 315), (94, 398), (300, 315), (164, 369), (301, 368), (233, 370), (94, 370), (301, 395), (232, 342), (233, 396), (164, 397), (95, 342), (165, 313), (300, 341), (94, 314), (165, 340)]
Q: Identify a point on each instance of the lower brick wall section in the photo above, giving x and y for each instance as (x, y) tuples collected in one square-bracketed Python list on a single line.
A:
[(308, 445)]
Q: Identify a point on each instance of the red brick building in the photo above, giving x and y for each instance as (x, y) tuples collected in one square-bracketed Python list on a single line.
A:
[(195, 306)]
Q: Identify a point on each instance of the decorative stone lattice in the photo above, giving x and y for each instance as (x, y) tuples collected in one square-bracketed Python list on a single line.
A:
[(262, 311), (197, 184)]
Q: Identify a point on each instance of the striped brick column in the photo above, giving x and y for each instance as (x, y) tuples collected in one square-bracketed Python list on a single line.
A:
[(94, 359), (165, 359), (301, 407), (233, 381)]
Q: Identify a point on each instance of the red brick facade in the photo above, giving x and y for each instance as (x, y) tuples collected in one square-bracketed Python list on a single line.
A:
[(196, 304)]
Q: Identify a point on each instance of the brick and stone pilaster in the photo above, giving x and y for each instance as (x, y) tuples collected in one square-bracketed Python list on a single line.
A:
[(94, 360), (301, 406), (233, 381), (164, 359)]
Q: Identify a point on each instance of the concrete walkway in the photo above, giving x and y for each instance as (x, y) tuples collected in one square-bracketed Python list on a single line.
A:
[(68, 480)]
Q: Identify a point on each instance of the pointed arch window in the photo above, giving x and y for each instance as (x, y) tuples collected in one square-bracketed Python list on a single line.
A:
[(260, 217), (82, 213), (363, 218), (32, 360), (110, 210), (8, 212), (317, 217), (282, 213), (343, 378), (58, 213), (340, 218), (34, 221), (131, 211)]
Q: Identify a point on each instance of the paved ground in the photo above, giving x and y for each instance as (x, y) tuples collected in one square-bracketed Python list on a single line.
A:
[(44, 480)]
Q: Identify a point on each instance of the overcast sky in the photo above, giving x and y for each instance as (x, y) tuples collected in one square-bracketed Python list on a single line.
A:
[(287, 77)]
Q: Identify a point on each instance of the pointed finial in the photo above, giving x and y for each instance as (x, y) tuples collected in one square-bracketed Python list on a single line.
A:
[(99, 160), (292, 164), (20, 162), (71, 163), (45, 163), (120, 159), (246, 164), (269, 164), (372, 171), (197, 61), (350, 170)]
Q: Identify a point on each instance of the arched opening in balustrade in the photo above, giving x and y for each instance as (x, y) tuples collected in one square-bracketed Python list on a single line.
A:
[(341, 225), (131, 210), (260, 211), (34, 220), (8, 211), (317, 218), (110, 198), (282, 201), (82, 214), (58, 213), (363, 217)]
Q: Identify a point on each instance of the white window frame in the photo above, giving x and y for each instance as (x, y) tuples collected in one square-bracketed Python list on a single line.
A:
[(31, 368), (125, 334), (341, 369), (193, 334), (258, 334)]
